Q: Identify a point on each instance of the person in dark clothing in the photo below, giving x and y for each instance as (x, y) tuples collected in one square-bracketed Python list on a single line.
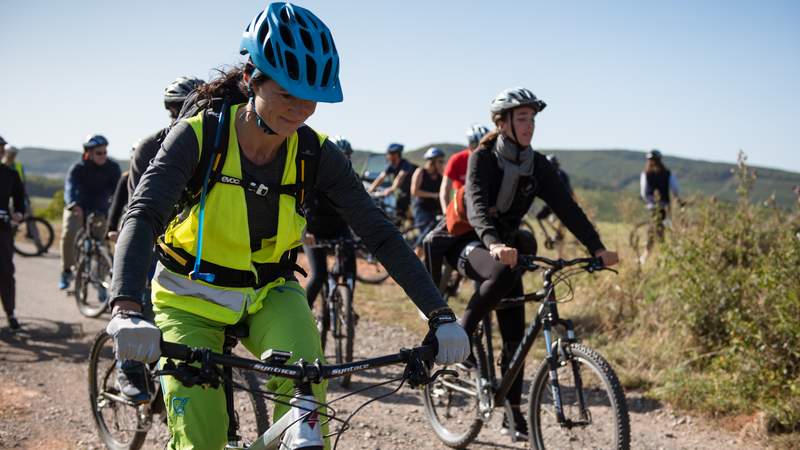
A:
[(657, 183), (145, 150), (401, 186), (504, 175), (11, 189), (88, 188), (425, 189), (119, 203), (325, 223)]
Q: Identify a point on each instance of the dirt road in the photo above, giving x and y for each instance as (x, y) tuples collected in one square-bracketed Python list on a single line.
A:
[(44, 402)]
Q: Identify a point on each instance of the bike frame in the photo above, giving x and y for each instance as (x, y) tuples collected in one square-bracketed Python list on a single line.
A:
[(546, 319)]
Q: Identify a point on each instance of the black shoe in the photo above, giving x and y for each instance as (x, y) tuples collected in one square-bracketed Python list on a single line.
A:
[(132, 381), (13, 324), (521, 432)]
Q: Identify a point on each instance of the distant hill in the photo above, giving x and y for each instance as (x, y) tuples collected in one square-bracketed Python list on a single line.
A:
[(601, 175), (619, 170)]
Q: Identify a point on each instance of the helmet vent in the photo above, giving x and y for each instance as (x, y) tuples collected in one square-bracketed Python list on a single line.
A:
[(305, 36), (286, 36), (311, 70), (270, 54), (326, 72), (300, 20), (326, 47), (285, 14), (292, 66), (262, 32)]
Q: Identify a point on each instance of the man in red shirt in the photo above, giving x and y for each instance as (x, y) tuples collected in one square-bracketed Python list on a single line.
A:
[(455, 173)]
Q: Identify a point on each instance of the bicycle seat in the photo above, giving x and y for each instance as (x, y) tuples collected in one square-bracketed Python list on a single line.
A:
[(239, 330)]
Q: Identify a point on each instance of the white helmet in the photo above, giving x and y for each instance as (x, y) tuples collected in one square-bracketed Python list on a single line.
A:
[(509, 99), (11, 149), (180, 88), (475, 133)]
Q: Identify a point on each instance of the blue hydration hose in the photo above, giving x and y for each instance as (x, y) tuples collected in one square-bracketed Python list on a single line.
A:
[(195, 274)]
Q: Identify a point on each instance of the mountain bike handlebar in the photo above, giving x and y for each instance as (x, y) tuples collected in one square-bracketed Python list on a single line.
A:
[(532, 262), (274, 363)]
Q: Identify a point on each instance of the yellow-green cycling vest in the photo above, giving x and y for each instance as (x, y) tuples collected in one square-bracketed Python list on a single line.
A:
[(226, 235)]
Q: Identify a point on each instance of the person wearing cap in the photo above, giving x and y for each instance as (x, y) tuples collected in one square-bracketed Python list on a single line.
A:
[(12, 191), (229, 257), (10, 160), (88, 188), (455, 172), (425, 189), (504, 175), (402, 170)]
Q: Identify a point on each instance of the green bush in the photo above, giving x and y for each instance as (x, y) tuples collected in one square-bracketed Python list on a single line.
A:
[(54, 209), (712, 321)]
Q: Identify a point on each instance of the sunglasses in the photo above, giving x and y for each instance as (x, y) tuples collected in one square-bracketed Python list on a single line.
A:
[(100, 153)]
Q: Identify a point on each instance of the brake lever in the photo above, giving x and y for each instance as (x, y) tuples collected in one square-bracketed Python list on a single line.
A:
[(441, 372)]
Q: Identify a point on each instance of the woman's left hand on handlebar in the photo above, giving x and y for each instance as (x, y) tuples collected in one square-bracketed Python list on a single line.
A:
[(609, 258)]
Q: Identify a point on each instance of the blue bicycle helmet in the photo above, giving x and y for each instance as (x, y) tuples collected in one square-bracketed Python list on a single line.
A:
[(94, 140), (433, 153), (394, 148), (290, 45)]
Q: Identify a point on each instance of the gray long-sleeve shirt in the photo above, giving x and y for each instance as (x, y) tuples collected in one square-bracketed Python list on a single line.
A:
[(160, 189)]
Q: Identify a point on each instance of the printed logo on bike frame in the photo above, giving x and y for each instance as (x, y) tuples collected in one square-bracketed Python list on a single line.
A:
[(312, 419), (179, 405)]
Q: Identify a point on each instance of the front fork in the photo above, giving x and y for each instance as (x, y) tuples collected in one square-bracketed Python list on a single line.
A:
[(557, 356)]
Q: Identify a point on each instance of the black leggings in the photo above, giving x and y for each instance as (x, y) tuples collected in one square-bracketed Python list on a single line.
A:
[(495, 282), (318, 264), (7, 283)]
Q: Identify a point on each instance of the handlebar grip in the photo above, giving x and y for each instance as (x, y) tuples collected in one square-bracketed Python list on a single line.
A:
[(176, 351), (427, 352)]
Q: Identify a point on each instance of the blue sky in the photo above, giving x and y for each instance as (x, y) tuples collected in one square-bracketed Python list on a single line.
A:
[(699, 79)]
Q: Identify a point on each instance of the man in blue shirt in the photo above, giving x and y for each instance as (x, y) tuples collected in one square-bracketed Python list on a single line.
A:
[(401, 186), (88, 188)]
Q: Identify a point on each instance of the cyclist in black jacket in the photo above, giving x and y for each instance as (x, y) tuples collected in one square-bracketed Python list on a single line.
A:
[(323, 222), (11, 189), (504, 175)]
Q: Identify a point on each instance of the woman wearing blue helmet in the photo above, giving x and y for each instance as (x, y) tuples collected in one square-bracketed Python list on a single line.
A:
[(425, 190), (229, 256)]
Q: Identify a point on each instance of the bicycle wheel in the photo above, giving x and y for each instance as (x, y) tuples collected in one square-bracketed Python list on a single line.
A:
[(120, 424), (249, 404), (323, 317), (451, 404), (33, 237), (92, 282), (454, 404), (592, 399), (370, 270), (347, 330)]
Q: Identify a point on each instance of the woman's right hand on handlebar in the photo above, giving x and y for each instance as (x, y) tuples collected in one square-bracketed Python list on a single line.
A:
[(609, 258), (505, 254), (134, 337)]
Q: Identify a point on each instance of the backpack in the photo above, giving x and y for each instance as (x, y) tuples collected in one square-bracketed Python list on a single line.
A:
[(456, 214)]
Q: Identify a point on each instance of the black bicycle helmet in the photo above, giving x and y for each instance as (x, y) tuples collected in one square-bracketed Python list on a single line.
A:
[(654, 154), (343, 144)]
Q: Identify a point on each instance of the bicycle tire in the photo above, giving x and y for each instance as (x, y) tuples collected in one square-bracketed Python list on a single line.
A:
[(323, 318), (41, 243), (96, 386), (468, 380), (349, 332), (83, 279), (578, 355), (252, 385), (375, 272)]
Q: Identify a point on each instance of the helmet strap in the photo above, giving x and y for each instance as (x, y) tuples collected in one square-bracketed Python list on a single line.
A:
[(514, 133), (252, 100)]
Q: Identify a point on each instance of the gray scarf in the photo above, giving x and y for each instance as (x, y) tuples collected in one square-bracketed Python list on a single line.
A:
[(513, 169)]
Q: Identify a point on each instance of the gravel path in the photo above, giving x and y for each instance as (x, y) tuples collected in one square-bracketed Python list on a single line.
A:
[(44, 402)]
